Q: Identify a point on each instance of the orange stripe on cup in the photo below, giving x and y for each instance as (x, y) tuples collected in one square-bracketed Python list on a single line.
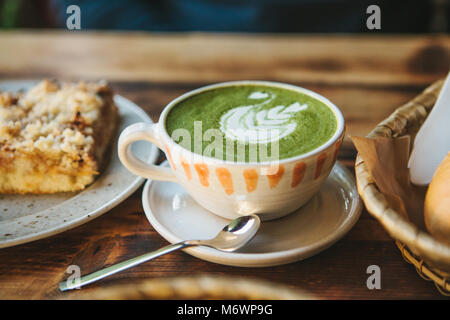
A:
[(203, 173), (169, 156), (336, 150), (298, 173), (226, 180), (251, 179), (319, 165), (187, 169), (275, 178)]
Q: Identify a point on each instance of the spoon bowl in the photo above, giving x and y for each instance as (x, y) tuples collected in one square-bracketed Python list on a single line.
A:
[(234, 235)]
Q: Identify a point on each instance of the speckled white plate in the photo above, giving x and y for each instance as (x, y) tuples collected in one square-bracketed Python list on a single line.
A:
[(25, 218), (326, 218)]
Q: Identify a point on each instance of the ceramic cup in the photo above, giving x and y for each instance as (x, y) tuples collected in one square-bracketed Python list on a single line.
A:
[(232, 189)]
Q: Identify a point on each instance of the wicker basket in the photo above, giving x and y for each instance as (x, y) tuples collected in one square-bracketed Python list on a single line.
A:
[(195, 287), (430, 256)]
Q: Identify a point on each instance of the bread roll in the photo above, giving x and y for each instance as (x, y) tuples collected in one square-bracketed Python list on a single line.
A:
[(437, 202)]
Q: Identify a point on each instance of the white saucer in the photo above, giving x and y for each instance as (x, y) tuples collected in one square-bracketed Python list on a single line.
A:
[(326, 218)]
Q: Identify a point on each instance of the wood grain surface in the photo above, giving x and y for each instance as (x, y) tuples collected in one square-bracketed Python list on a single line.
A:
[(366, 76)]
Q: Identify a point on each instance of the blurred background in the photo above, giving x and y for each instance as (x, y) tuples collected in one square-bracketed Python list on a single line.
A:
[(299, 16)]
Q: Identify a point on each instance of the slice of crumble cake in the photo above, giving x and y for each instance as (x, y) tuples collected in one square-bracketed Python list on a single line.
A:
[(53, 138)]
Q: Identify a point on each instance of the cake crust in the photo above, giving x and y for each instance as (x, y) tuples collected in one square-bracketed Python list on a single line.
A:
[(54, 137)]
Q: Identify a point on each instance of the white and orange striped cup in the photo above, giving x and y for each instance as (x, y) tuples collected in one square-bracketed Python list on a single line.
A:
[(232, 189)]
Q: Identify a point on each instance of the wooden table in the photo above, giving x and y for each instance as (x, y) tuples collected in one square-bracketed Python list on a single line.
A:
[(366, 76)]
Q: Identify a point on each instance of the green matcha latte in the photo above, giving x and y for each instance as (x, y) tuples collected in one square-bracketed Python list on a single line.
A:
[(233, 121)]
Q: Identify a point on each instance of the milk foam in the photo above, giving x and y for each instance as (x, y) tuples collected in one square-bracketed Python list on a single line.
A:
[(253, 124)]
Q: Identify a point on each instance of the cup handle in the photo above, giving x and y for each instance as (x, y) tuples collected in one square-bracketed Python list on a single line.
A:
[(148, 132)]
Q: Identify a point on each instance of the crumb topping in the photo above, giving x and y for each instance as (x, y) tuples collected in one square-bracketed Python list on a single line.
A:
[(51, 117)]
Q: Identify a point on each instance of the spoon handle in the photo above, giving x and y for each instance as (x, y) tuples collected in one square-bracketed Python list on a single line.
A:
[(103, 273)]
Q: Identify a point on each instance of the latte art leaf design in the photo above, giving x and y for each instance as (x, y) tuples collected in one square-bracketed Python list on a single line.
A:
[(254, 124)]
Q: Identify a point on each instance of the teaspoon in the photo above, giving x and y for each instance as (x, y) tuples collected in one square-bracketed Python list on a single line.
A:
[(232, 237)]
